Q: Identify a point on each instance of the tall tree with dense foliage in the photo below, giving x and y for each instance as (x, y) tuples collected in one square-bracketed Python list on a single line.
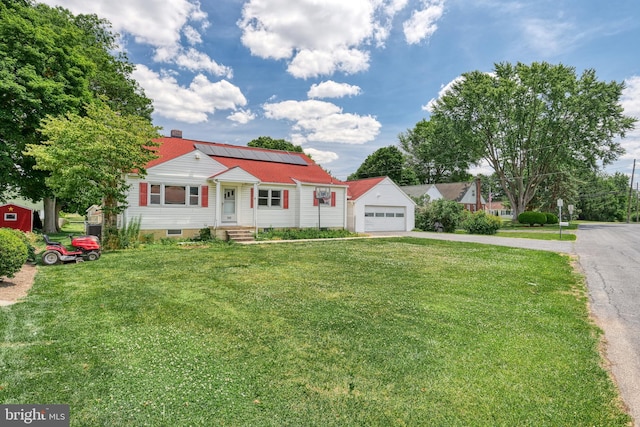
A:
[(434, 154), (89, 156), (274, 144), (530, 122), (52, 63), (604, 197), (386, 161)]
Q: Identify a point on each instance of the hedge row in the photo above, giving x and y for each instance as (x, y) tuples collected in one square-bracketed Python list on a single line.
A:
[(533, 218)]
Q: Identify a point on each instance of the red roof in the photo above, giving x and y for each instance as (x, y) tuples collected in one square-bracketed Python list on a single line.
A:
[(358, 188), (265, 171)]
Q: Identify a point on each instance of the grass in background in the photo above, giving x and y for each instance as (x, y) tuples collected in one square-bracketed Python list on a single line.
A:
[(539, 234), (333, 333)]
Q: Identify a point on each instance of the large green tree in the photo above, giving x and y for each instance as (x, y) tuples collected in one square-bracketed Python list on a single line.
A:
[(434, 154), (274, 144), (386, 161), (51, 63), (88, 156), (531, 122), (604, 197)]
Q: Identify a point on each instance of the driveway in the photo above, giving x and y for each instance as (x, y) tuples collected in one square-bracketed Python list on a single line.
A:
[(609, 255)]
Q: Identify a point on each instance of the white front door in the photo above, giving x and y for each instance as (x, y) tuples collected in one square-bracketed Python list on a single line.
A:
[(229, 205)]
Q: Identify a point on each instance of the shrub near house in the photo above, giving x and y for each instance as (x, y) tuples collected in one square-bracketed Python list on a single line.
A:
[(532, 218), (481, 223), (13, 252)]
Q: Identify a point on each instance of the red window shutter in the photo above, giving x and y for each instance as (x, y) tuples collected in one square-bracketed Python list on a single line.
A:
[(315, 199), (144, 193), (333, 198), (252, 197), (204, 197), (285, 202)]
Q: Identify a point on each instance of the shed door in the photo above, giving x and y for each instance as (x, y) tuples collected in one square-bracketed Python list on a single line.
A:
[(384, 218)]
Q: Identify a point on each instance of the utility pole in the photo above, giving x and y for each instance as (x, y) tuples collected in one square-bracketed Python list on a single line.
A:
[(633, 172)]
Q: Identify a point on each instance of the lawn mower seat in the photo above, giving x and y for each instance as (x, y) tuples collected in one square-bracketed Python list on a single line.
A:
[(49, 242)]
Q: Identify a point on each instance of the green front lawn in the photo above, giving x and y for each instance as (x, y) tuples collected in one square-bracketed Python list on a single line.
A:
[(373, 332)]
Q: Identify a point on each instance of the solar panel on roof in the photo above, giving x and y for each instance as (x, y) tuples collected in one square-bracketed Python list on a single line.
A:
[(239, 153)]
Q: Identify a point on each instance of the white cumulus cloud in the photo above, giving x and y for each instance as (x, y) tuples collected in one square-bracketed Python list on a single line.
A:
[(321, 157), (321, 121), (443, 90), (190, 104), (241, 116), (158, 23), (331, 89), (630, 101), (422, 23), (323, 37)]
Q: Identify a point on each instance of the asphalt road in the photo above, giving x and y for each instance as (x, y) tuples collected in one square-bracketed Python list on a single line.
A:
[(609, 255)]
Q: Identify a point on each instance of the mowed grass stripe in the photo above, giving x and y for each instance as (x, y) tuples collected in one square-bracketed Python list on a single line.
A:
[(362, 332)]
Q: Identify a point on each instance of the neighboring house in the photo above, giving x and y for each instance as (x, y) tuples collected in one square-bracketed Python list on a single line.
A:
[(466, 193), (378, 204), (16, 217), (195, 185), (497, 208)]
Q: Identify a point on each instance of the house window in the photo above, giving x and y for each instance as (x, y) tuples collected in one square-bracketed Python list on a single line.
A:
[(174, 195), (174, 232), (194, 196), (368, 214), (10, 216), (181, 195), (400, 215), (154, 194), (270, 198)]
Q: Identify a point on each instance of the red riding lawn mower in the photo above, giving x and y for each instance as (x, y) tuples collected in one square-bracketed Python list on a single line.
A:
[(85, 248)]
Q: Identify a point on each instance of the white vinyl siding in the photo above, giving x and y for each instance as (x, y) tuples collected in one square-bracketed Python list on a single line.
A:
[(174, 216), (329, 216), (385, 207)]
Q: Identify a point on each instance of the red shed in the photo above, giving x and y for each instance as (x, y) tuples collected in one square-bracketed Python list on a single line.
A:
[(18, 217)]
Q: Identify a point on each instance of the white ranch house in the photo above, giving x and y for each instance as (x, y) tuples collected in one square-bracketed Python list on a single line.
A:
[(196, 184)]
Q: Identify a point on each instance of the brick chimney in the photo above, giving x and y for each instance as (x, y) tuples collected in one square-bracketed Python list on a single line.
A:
[(175, 133)]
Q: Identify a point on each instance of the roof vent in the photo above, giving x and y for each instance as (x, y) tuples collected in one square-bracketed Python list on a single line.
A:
[(175, 133)]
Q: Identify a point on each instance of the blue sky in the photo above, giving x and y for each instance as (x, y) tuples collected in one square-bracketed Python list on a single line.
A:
[(343, 78)]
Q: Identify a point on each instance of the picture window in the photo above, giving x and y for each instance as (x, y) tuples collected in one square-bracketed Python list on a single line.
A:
[(174, 195)]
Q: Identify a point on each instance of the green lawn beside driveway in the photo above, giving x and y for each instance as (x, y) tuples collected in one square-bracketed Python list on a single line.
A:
[(334, 333)]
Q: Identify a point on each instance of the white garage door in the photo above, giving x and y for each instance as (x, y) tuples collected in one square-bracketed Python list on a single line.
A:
[(384, 218)]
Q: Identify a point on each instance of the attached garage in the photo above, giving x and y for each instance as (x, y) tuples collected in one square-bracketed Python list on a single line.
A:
[(378, 204), (385, 218)]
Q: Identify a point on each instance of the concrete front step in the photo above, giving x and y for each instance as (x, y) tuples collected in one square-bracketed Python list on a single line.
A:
[(240, 235)]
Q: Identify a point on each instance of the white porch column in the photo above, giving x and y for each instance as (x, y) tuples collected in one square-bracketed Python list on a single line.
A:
[(218, 205), (254, 202)]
